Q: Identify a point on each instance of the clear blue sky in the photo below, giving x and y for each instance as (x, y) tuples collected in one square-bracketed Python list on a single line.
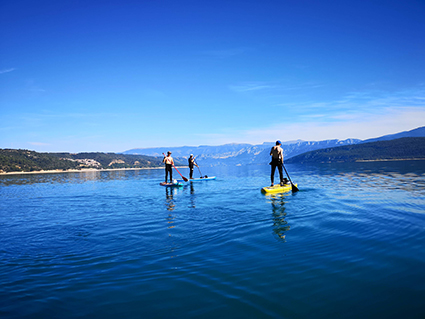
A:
[(114, 75)]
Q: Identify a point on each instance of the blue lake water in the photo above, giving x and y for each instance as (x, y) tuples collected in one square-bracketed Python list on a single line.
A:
[(349, 244)]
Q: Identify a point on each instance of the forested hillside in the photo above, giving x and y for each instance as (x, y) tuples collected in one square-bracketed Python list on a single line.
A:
[(399, 149), (12, 160), (26, 161)]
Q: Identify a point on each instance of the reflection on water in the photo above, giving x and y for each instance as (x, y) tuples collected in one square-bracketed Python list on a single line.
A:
[(169, 199), (170, 219), (280, 225), (74, 177), (379, 168), (385, 176), (192, 196), (115, 241)]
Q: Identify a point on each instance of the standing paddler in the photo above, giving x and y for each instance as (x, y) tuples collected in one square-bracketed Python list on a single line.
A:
[(277, 161), (169, 162), (191, 161)]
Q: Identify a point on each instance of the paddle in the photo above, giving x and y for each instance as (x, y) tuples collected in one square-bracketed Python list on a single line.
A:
[(198, 168), (294, 188), (184, 178)]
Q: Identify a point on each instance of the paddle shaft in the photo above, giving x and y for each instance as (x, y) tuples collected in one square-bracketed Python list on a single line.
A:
[(294, 188), (197, 167), (184, 178)]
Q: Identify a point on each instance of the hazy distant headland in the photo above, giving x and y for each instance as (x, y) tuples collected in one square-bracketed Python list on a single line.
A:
[(407, 148), (401, 146)]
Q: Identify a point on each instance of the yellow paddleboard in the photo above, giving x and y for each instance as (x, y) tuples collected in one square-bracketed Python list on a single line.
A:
[(277, 188)]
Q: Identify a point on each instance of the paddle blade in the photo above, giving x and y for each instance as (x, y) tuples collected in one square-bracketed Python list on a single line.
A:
[(185, 179), (294, 188)]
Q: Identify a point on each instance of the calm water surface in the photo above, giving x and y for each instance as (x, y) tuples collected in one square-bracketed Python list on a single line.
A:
[(115, 244)]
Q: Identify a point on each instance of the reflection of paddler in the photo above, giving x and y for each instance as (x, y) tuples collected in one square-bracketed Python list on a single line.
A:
[(169, 198), (280, 225), (170, 221), (192, 196)]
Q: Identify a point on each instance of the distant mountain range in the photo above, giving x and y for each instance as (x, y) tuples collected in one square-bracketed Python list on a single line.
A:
[(400, 146), (234, 154)]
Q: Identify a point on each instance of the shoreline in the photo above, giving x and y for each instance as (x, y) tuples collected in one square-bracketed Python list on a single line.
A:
[(88, 170), (84, 170), (392, 160)]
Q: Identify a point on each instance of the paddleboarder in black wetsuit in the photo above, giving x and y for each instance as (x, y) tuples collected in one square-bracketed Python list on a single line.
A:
[(277, 161), (191, 161)]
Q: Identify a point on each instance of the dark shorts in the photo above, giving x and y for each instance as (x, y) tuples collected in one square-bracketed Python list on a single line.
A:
[(276, 162)]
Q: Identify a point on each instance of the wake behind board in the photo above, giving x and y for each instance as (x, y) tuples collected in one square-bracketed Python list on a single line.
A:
[(202, 179), (175, 184), (277, 188)]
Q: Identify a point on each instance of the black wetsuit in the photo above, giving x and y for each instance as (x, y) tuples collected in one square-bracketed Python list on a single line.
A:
[(190, 160)]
